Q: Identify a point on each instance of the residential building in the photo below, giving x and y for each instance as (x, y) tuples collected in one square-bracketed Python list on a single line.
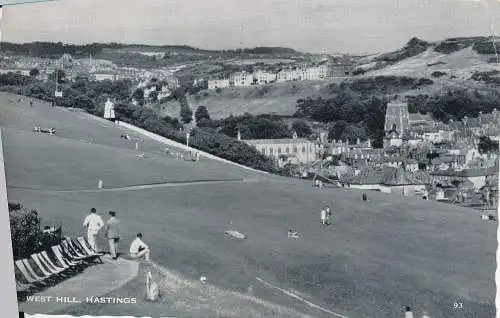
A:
[(99, 77), (302, 149), (261, 77), (389, 180), (477, 176), (164, 93), (242, 79), (218, 83)]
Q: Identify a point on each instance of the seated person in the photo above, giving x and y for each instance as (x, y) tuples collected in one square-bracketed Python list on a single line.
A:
[(292, 234), (139, 249)]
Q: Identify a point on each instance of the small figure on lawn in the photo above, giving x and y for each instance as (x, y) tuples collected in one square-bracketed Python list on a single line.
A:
[(292, 234)]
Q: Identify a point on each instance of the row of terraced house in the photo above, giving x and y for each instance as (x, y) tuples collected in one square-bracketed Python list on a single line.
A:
[(245, 79)]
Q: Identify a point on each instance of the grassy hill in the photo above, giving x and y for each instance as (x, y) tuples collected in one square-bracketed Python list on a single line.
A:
[(450, 64), (376, 258)]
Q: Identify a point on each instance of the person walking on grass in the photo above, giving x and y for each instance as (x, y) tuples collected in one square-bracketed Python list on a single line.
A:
[(93, 223), (328, 215), (323, 216), (139, 249), (112, 234)]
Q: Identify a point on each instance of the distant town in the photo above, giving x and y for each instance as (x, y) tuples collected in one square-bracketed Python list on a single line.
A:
[(453, 162)]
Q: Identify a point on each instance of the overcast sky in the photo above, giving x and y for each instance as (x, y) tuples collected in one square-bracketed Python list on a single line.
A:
[(352, 26)]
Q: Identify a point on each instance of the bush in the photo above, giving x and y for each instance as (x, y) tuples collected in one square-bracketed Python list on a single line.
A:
[(438, 74), (25, 231)]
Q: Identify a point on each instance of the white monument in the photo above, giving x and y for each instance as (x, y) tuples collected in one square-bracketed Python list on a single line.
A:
[(109, 110)]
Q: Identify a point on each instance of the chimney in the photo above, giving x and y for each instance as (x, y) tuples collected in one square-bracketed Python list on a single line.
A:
[(358, 141), (295, 136), (239, 135)]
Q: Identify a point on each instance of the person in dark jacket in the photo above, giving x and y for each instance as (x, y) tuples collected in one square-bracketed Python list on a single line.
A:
[(112, 234)]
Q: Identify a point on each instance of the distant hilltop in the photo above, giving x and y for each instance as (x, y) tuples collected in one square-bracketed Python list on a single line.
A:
[(55, 50), (481, 44)]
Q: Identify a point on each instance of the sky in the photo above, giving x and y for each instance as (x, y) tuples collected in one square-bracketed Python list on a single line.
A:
[(319, 26)]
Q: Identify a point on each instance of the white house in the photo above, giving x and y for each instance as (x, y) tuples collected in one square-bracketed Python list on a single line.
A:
[(242, 79), (388, 180), (287, 75), (99, 77), (264, 77), (314, 73), (218, 83), (164, 93), (302, 149)]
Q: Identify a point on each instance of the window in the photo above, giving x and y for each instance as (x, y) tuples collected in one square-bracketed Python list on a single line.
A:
[(263, 151), (303, 149), (287, 150), (294, 149), (271, 151), (279, 150)]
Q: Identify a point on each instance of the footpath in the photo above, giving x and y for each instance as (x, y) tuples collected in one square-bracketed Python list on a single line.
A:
[(94, 281)]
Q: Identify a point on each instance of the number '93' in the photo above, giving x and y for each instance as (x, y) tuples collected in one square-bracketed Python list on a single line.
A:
[(458, 305)]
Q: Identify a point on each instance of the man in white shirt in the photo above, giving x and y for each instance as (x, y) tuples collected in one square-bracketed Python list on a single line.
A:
[(323, 217), (94, 223), (139, 249), (408, 313)]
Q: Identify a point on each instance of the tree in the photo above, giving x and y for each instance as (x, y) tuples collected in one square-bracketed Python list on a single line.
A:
[(25, 230), (186, 114), (201, 115), (34, 72), (431, 155), (153, 96), (337, 130), (138, 95), (61, 76), (486, 145), (301, 128)]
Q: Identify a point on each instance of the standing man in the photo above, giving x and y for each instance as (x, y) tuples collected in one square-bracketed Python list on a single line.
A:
[(408, 313), (112, 233), (328, 215), (323, 216), (94, 223)]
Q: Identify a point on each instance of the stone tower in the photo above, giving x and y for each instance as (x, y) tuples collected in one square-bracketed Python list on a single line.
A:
[(397, 117)]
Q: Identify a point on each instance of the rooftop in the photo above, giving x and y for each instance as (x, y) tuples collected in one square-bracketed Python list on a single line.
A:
[(276, 141), (474, 172)]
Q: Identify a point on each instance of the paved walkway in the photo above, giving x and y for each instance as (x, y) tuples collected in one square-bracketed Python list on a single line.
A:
[(95, 281)]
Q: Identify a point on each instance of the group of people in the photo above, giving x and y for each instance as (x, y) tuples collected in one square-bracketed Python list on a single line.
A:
[(326, 216), (112, 232)]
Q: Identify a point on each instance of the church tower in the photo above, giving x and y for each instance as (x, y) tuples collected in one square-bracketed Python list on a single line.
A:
[(397, 118)]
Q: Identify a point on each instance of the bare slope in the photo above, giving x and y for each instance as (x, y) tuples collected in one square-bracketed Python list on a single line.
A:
[(376, 258)]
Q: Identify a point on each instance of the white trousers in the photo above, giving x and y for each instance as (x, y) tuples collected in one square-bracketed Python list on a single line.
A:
[(144, 253), (92, 238)]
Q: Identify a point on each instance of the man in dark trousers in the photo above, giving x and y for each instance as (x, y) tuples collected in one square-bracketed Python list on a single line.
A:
[(112, 234)]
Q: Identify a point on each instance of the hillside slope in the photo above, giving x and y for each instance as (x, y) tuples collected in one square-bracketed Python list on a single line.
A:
[(376, 258), (452, 69)]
